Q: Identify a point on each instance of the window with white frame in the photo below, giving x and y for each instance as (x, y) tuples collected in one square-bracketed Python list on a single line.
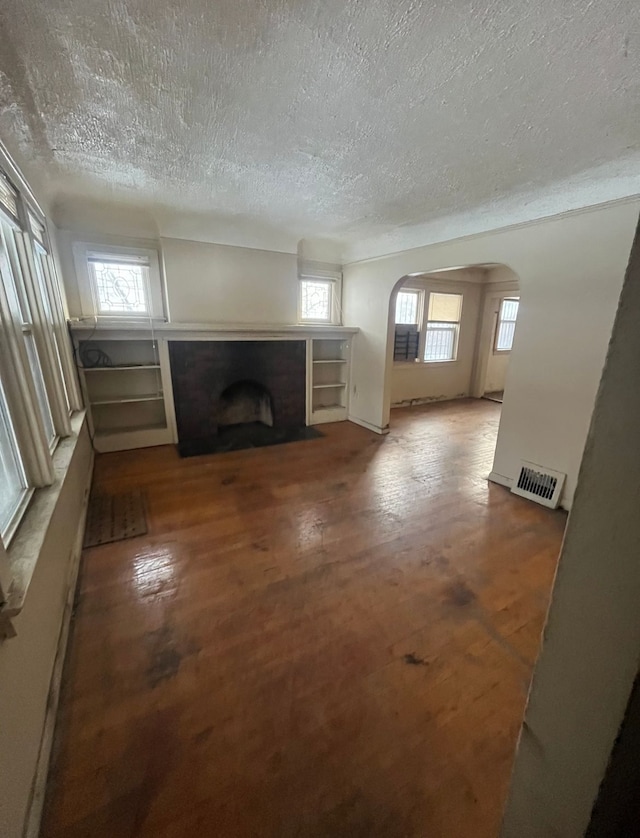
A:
[(316, 300), (407, 303), (506, 325), (38, 383), (443, 327), (319, 288), (120, 286), (119, 282)]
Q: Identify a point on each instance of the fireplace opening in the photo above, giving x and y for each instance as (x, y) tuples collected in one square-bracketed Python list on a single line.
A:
[(245, 403)]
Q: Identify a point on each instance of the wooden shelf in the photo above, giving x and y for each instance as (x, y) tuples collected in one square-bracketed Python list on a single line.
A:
[(151, 397), (335, 386), (123, 367), (110, 432), (335, 361), (326, 407)]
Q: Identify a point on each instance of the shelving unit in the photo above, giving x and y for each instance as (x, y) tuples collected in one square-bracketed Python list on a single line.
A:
[(329, 380), (122, 383), (125, 373)]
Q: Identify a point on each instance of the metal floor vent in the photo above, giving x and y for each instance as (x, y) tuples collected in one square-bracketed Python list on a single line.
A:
[(543, 485)]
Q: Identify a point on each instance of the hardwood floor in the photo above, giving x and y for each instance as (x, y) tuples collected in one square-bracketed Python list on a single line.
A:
[(328, 638)]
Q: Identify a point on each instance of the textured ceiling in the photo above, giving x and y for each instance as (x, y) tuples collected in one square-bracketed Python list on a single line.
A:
[(379, 122)]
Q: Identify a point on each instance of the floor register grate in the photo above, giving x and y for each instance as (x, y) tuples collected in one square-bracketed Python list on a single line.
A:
[(115, 518)]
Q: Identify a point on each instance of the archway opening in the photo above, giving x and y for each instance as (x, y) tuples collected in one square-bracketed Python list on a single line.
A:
[(451, 334)]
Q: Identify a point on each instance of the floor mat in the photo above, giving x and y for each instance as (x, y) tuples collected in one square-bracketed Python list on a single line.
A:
[(114, 518)]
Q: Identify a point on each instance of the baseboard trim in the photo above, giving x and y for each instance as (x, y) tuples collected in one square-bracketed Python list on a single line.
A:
[(423, 400), (364, 424), (39, 787), (500, 479)]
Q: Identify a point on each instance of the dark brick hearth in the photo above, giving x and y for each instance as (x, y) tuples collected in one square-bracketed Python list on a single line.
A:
[(202, 370)]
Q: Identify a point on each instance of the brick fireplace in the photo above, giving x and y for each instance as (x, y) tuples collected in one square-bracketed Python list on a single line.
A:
[(260, 384)]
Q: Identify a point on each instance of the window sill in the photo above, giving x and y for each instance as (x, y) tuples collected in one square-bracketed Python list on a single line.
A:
[(419, 363), (26, 546)]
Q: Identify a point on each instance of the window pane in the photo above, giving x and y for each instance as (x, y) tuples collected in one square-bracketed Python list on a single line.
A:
[(315, 300), (12, 482), (37, 228), (509, 309), (440, 342), (8, 197), (445, 307), (48, 311), (41, 392), (120, 287), (407, 308), (506, 332), (507, 324)]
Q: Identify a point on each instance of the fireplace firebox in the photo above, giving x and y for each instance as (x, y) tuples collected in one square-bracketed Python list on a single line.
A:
[(238, 394)]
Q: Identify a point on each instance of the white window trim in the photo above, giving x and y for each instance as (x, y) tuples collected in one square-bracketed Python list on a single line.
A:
[(30, 267), (500, 320), (424, 320), (420, 293), (314, 271), (21, 396), (61, 334), (43, 310), (83, 250), (44, 336), (334, 307)]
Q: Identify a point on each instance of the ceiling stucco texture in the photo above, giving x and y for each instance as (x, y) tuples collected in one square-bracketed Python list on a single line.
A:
[(291, 118)]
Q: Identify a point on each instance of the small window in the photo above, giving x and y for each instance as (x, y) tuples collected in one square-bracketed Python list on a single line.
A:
[(119, 282), (506, 328), (443, 327), (316, 300), (407, 308), (407, 335), (120, 286)]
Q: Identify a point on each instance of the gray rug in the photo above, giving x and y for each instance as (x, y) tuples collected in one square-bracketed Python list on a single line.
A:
[(114, 518)]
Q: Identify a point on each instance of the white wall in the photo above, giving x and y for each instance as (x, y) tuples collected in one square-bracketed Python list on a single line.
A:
[(497, 371), (570, 270), (206, 283), (589, 656), (413, 381), (499, 287), (27, 660), (217, 283)]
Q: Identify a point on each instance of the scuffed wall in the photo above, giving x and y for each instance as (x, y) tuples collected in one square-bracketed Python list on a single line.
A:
[(27, 660)]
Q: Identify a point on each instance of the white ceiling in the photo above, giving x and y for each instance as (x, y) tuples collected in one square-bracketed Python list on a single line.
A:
[(383, 123)]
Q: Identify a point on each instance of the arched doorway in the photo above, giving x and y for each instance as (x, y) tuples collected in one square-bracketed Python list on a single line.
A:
[(450, 333)]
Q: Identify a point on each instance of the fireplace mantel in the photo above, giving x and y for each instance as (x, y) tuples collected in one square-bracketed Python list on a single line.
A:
[(125, 373), (208, 331)]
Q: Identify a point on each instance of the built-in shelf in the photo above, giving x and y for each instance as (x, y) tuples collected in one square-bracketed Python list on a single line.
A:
[(124, 390), (323, 408), (110, 432), (122, 367), (329, 379), (137, 409), (150, 397)]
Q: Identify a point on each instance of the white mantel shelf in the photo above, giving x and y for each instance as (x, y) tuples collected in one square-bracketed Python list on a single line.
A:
[(171, 330), (133, 406)]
